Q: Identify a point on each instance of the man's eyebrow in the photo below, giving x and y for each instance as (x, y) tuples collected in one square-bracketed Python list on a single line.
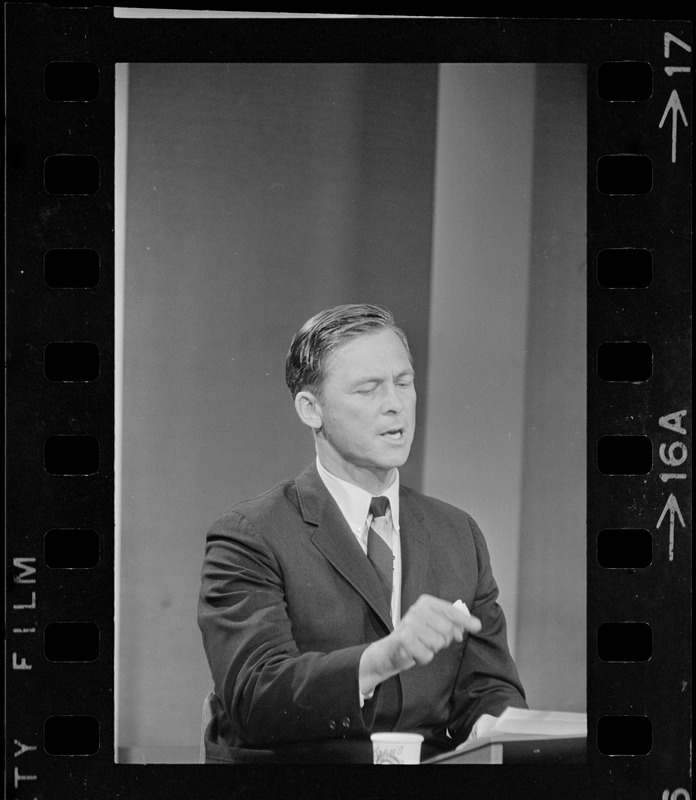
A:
[(362, 381), (407, 373)]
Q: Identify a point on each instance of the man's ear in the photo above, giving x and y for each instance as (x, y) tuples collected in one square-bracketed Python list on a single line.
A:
[(309, 410)]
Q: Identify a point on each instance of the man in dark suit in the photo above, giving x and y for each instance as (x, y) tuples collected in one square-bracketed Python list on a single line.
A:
[(327, 604)]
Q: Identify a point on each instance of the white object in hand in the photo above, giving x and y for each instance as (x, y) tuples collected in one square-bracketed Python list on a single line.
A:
[(474, 622)]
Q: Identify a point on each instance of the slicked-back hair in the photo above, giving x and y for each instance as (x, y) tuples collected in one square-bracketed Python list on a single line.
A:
[(324, 333)]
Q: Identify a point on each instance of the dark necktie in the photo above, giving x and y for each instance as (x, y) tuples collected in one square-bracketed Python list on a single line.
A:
[(379, 540)]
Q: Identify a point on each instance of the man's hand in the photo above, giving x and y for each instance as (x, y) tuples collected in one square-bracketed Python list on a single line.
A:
[(482, 727), (429, 625)]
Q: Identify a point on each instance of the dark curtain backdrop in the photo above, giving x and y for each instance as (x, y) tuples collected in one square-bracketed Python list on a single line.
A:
[(257, 194)]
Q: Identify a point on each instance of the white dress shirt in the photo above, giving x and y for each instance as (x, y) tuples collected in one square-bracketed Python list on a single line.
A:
[(354, 503)]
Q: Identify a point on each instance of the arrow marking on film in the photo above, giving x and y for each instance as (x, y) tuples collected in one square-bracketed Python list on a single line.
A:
[(674, 105), (673, 507)]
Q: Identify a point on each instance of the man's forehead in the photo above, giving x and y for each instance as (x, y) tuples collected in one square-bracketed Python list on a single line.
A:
[(371, 347)]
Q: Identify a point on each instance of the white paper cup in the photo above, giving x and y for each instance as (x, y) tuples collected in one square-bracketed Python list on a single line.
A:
[(396, 748)]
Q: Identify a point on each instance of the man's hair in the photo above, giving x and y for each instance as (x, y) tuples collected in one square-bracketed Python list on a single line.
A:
[(324, 333)]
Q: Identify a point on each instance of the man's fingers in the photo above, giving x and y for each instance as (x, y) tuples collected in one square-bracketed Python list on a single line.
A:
[(438, 627), (411, 651), (471, 623), (430, 625), (451, 619), (432, 632), (416, 652)]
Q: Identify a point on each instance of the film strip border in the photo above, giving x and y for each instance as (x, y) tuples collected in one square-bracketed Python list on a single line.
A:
[(60, 368), (60, 434), (639, 411)]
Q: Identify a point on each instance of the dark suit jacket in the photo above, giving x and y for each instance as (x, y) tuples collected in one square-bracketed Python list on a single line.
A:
[(288, 603)]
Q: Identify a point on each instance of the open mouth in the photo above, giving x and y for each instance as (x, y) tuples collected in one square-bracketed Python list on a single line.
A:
[(394, 434)]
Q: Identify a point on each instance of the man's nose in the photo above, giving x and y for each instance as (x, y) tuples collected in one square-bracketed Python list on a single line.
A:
[(393, 402)]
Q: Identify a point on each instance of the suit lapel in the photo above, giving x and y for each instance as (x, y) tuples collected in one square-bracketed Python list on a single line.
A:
[(415, 549), (337, 543)]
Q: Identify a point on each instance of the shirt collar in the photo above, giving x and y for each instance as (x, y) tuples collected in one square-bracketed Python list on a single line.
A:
[(354, 502)]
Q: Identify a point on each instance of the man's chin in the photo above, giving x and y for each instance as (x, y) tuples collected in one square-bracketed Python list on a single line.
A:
[(396, 460)]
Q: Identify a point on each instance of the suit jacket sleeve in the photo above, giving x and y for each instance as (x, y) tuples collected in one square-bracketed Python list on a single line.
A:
[(487, 682), (270, 690)]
